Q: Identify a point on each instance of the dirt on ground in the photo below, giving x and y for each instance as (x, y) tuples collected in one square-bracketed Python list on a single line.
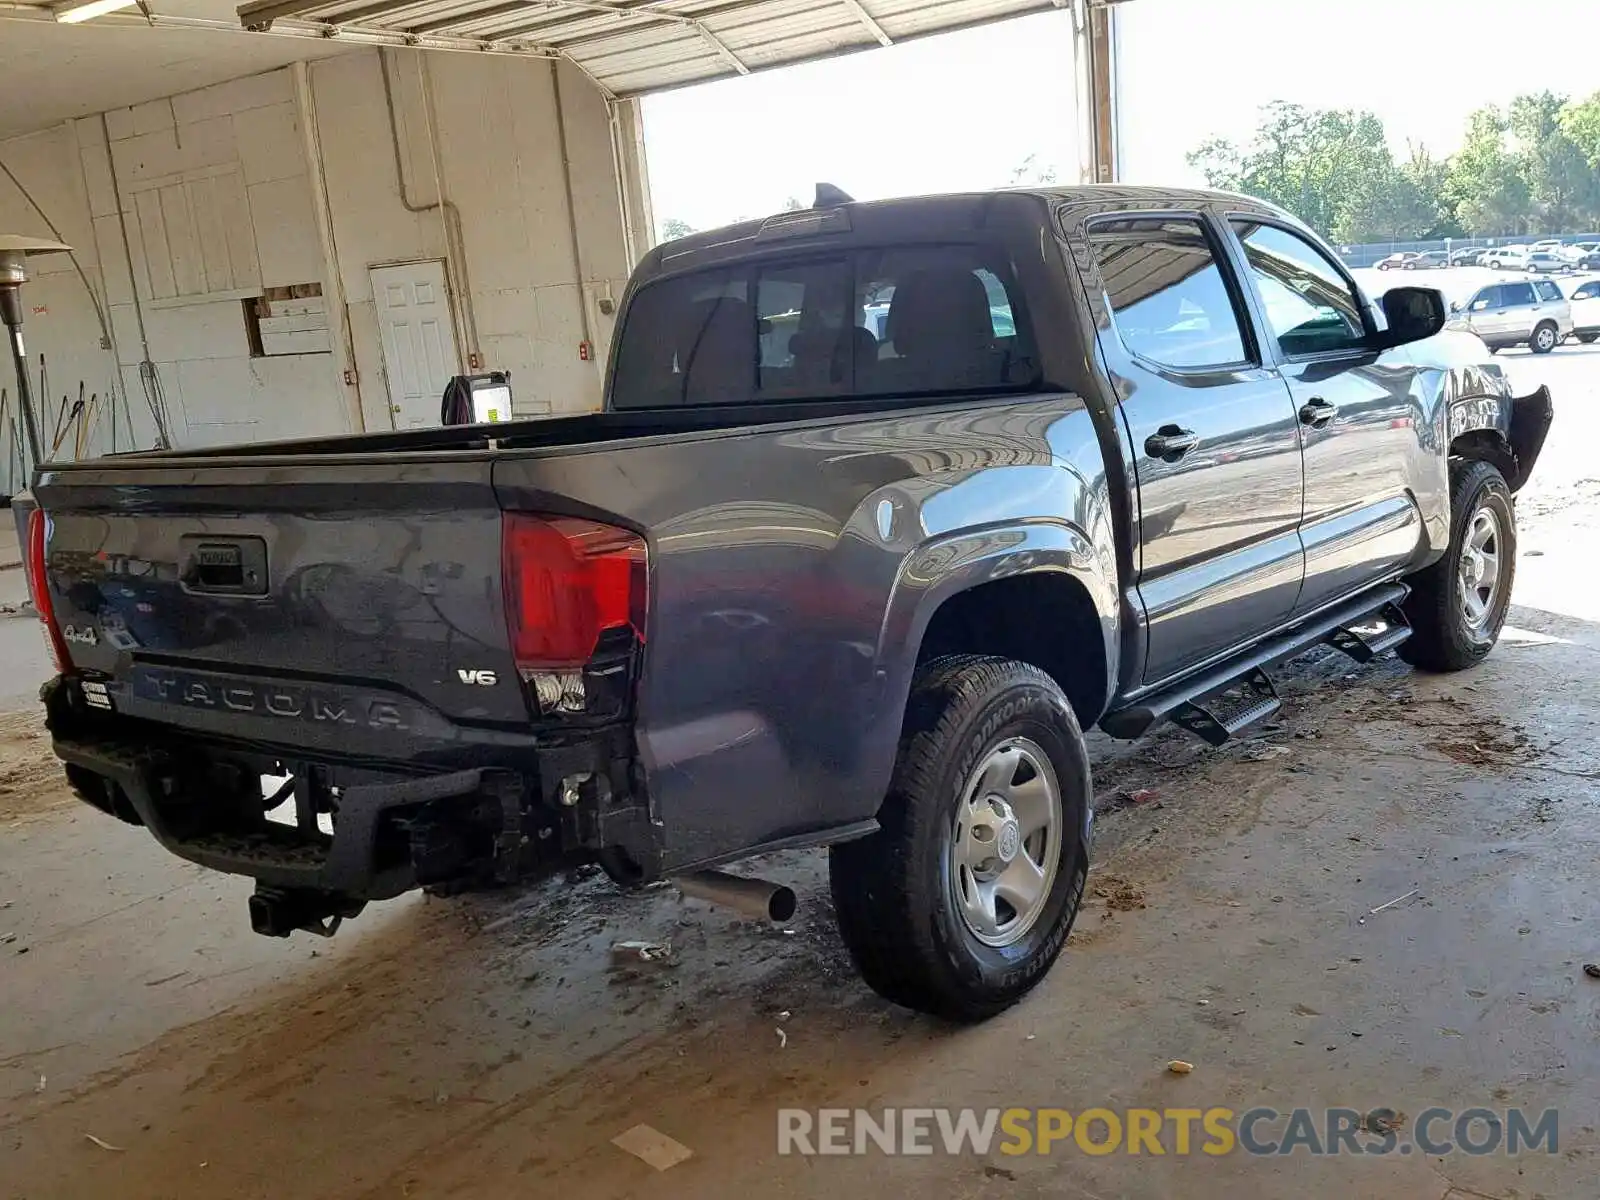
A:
[(1382, 899), (30, 777)]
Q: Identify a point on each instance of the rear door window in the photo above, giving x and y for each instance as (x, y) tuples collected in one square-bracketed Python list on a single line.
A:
[(906, 320), (1169, 301), (1514, 294)]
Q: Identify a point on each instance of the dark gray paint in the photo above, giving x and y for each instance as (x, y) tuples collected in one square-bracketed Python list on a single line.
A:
[(795, 562)]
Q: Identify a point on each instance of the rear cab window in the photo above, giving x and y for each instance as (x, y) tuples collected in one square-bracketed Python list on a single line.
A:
[(1170, 303), (914, 321)]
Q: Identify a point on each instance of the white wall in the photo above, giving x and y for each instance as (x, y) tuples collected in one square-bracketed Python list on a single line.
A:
[(59, 317), (219, 201), (495, 150)]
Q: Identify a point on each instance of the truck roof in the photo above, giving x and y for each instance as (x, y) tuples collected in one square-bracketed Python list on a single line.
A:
[(912, 218)]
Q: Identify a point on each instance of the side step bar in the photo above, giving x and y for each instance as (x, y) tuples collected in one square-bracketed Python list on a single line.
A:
[(1362, 628)]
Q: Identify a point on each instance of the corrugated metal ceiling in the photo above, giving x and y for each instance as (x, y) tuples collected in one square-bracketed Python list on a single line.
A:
[(634, 46)]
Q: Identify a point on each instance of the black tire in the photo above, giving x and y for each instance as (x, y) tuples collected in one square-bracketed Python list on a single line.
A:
[(892, 891), (1441, 637), (1587, 338), (1544, 338)]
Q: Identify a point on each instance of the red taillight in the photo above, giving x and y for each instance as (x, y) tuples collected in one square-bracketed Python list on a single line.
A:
[(568, 581), (39, 588)]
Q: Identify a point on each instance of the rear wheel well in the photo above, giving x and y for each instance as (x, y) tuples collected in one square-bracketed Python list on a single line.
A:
[(1046, 619)]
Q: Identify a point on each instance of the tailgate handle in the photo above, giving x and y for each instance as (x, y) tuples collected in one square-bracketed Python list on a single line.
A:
[(224, 566)]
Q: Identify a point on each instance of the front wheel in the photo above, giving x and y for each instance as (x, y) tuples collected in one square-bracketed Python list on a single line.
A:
[(962, 900), (1544, 338), (1458, 605)]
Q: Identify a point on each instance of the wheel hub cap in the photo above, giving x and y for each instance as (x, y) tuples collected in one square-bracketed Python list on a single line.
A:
[(1005, 843), (1479, 570)]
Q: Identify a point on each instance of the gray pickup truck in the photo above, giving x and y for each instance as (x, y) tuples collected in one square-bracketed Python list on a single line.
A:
[(888, 503)]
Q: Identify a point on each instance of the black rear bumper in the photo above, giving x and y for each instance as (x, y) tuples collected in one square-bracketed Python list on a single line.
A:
[(360, 830), (349, 861)]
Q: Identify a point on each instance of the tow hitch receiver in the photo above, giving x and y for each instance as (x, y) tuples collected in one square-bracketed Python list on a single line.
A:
[(278, 912)]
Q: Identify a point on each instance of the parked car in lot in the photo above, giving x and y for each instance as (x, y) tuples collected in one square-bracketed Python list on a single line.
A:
[(1585, 302), (1546, 262), (1505, 258), (1396, 261), (1589, 260), (1425, 261), (1467, 256), (825, 589), (1531, 312)]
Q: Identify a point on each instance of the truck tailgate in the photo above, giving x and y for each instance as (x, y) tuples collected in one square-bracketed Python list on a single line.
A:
[(320, 602)]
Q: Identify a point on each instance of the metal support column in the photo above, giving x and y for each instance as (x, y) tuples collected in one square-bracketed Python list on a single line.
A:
[(1094, 53)]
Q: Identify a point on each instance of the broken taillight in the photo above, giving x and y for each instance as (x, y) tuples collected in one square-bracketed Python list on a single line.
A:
[(39, 588), (574, 589)]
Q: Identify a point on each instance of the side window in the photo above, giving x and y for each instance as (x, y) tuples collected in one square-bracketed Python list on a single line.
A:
[(1512, 294), (1587, 291), (1000, 318), (1486, 298), (1168, 298), (1310, 305), (1547, 290)]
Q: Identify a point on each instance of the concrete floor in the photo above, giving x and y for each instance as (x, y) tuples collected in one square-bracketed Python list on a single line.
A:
[(484, 1047)]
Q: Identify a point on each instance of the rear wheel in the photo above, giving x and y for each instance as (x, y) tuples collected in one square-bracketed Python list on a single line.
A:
[(1545, 337), (1458, 605), (961, 901), (1587, 338)]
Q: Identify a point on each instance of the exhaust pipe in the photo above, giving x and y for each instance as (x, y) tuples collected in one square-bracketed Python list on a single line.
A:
[(757, 898)]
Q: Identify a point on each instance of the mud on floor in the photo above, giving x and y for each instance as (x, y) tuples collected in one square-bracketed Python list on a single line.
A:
[(30, 777)]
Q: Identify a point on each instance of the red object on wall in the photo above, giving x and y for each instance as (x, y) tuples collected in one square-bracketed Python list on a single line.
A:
[(583, 351)]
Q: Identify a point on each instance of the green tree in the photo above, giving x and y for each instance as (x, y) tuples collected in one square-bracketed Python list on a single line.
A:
[(1580, 119), (1332, 168), (675, 227), (1561, 183), (1486, 186)]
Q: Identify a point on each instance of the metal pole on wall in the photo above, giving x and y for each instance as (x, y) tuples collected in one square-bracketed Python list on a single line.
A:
[(14, 253)]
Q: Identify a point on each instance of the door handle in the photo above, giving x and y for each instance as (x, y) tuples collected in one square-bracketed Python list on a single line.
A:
[(1169, 443), (1317, 412)]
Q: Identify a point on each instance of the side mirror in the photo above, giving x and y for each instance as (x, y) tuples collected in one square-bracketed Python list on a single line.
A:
[(1413, 313)]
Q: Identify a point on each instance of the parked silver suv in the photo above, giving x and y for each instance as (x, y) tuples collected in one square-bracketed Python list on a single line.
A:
[(1511, 313)]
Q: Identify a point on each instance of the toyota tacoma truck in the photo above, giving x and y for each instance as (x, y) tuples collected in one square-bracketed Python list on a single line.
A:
[(887, 504)]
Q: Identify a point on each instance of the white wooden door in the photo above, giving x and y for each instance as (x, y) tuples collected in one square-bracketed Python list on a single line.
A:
[(419, 342)]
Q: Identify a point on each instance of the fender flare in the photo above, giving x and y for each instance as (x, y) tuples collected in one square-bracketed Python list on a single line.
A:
[(948, 565)]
